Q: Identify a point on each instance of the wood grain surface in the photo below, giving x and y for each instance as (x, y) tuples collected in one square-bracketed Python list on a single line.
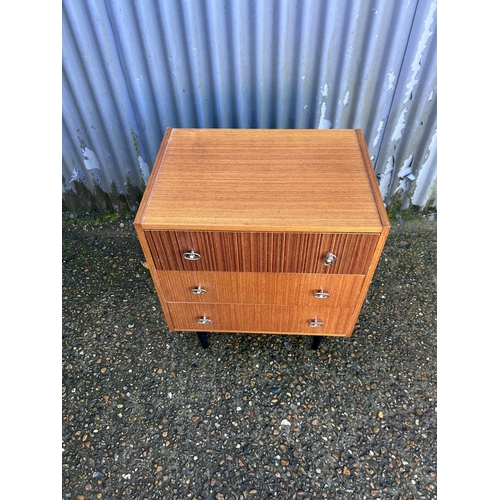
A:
[(261, 288), (249, 318), (261, 180), (262, 252)]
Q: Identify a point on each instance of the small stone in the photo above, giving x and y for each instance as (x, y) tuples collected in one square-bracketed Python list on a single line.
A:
[(380, 414), (315, 421), (285, 422), (227, 395), (213, 481), (88, 486), (346, 471), (80, 497)]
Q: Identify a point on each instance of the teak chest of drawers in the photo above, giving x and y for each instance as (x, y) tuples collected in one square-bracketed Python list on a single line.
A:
[(262, 231)]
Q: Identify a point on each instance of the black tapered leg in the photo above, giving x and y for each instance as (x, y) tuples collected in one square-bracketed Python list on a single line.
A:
[(203, 339), (316, 341)]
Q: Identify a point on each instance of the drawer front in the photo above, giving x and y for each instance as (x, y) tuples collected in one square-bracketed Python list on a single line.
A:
[(316, 290), (261, 252), (249, 318)]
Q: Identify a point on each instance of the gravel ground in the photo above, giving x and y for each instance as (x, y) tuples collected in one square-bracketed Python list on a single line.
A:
[(149, 414)]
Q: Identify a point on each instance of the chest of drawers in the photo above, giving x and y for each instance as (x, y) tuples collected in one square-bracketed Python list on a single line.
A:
[(262, 231)]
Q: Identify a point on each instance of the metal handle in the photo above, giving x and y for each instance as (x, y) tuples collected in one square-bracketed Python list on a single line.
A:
[(204, 321), (192, 255), (198, 291), (315, 323), (320, 294), (329, 259)]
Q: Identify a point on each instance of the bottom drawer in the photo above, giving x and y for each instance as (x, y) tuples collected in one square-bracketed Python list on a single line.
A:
[(249, 318)]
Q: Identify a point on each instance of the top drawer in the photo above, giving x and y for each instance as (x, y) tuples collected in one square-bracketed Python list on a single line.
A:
[(261, 252)]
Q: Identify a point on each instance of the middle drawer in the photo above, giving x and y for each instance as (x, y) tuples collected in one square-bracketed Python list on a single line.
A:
[(260, 288)]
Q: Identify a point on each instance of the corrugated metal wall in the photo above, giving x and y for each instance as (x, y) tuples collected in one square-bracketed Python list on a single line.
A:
[(133, 68)]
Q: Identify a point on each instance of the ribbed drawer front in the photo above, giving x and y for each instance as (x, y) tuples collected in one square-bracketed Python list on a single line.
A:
[(317, 290), (262, 252), (249, 318)]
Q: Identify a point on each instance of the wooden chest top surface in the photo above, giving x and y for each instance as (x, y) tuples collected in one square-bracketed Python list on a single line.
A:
[(263, 180)]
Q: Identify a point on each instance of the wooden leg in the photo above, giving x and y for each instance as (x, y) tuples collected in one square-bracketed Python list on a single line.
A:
[(316, 341), (203, 339)]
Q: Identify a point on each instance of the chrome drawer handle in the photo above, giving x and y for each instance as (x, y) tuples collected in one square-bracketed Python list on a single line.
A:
[(320, 294), (315, 323), (198, 291), (204, 321), (329, 259), (192, 255)]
